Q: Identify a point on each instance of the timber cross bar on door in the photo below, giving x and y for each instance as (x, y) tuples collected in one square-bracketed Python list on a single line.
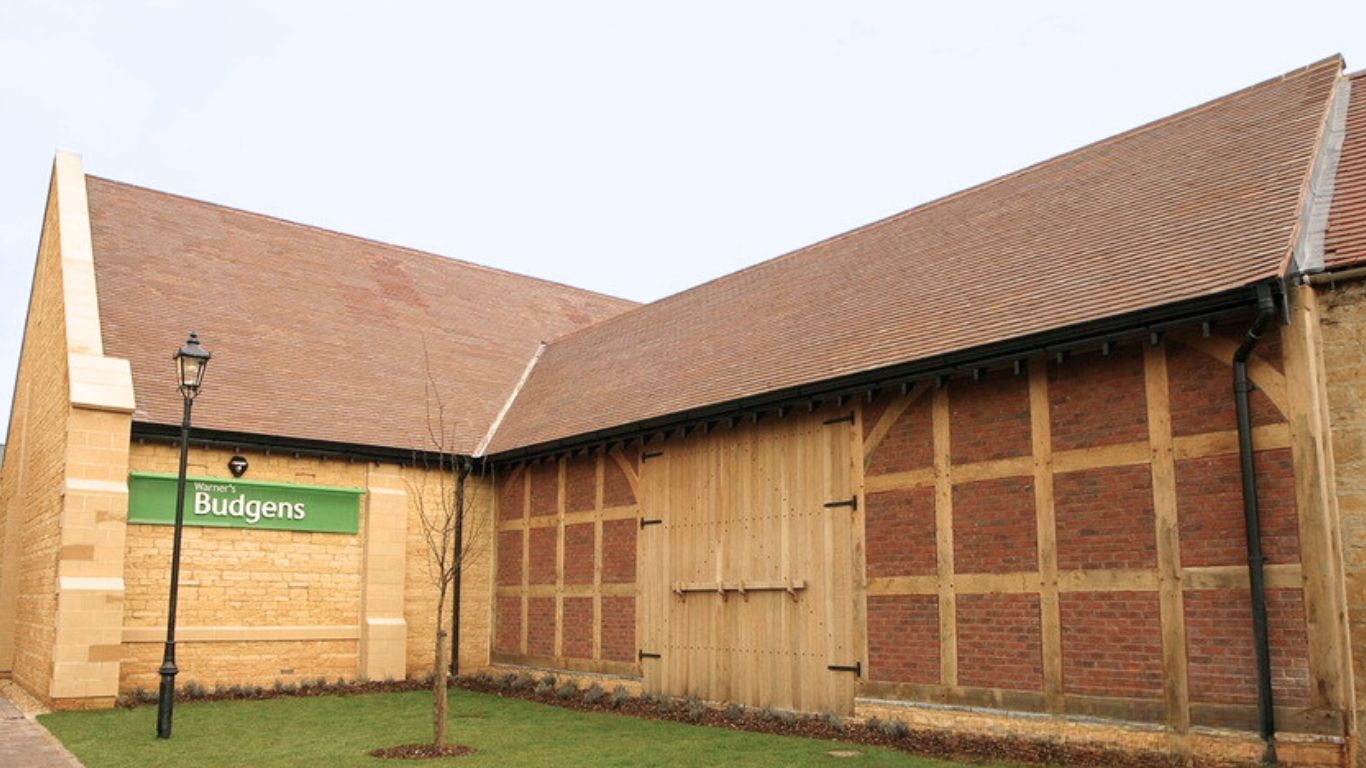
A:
[(790, 586)]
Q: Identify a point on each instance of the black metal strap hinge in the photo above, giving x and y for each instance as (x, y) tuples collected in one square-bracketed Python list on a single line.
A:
[(840, 420), (647, 655), (856, 668), (851, 502), (644, 522), (650, 455)]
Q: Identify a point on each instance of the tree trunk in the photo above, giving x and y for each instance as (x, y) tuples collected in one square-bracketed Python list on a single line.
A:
[(439, 688)]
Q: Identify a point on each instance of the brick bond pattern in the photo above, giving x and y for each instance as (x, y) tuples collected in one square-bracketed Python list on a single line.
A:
[(1111, 641), (566, 564)]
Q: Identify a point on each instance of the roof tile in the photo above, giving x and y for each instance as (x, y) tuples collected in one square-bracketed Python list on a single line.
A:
[(315, 335), (1188, 206)]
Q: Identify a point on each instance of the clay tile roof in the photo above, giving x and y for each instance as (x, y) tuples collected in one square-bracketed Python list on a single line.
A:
[(315, 335), (1192, 205), (1345, 240)]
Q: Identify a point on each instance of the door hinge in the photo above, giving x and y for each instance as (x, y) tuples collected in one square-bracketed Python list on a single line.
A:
[(647, 655), (840, 420), (851, 502), (650, 455), (644, 522), (856, 668)]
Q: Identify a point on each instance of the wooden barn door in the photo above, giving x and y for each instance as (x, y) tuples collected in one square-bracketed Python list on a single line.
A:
[(747, 564)]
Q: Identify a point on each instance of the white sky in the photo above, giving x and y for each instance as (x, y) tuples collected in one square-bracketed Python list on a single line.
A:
[(635, 148)]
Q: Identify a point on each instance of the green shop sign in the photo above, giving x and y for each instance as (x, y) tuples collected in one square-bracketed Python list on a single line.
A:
[(225, 503)]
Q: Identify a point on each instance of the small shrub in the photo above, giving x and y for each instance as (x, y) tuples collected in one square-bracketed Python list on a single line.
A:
[(567, 691), (220, 689), (694, 709), (734, 712), (620, 696), (289, 688), (194, 690), (649, 698), (341, 682), (549, 679), (253, 691), (523, 681), (664, 706), (768, 714), (835, 722), (594, 695), (507, 681), (125, 701), (543, 688), (429, 678), (895, 729), (484, 678), (788, 719)]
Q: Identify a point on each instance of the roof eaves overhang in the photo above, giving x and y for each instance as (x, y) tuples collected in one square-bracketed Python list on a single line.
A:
[(1092, 334)]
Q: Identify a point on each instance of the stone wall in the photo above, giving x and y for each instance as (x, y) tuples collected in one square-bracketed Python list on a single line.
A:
[(260, 605), (31, 483), (1343, 308)]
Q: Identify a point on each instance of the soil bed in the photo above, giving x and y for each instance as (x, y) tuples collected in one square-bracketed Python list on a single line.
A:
[(938, 744)]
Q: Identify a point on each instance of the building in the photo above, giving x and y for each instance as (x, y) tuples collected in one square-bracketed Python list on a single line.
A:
[(977, 466)]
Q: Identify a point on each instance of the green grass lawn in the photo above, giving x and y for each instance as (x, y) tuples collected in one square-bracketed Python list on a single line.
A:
[(339, 730)]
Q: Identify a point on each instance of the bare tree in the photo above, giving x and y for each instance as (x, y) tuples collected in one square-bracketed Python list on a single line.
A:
[(443, 497)]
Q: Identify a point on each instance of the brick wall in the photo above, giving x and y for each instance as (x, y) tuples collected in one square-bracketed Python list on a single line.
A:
[(1112, 644), (900, 531), (1105, 519), (572, 604), (903, 638), (999, 642), (619, 629), (1103, 542), (578, 627), (994, 527)]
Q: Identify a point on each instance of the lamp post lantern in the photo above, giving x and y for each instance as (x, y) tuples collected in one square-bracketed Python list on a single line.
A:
[(191, 361)]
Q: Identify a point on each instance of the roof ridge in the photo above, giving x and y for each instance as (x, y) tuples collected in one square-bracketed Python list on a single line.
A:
[(452, 260), (1335, 59)]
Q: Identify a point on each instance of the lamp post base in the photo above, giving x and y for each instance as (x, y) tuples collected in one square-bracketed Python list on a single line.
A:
[(166, 699)]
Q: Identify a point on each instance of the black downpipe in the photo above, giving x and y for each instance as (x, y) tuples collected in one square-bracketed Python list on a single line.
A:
[(1266, 716), (462, 471)]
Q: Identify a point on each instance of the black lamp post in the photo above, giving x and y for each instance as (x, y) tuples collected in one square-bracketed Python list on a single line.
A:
[(191, 361)]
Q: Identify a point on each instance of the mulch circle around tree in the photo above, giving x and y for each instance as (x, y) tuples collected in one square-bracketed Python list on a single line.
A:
[(422, 751)]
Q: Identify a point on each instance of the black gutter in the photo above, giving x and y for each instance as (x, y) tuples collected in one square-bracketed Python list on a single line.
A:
[(1091, 334), (249, 441), (1266, 715)]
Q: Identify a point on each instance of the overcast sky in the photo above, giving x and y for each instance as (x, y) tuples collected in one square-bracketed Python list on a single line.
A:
[(635, 148)]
